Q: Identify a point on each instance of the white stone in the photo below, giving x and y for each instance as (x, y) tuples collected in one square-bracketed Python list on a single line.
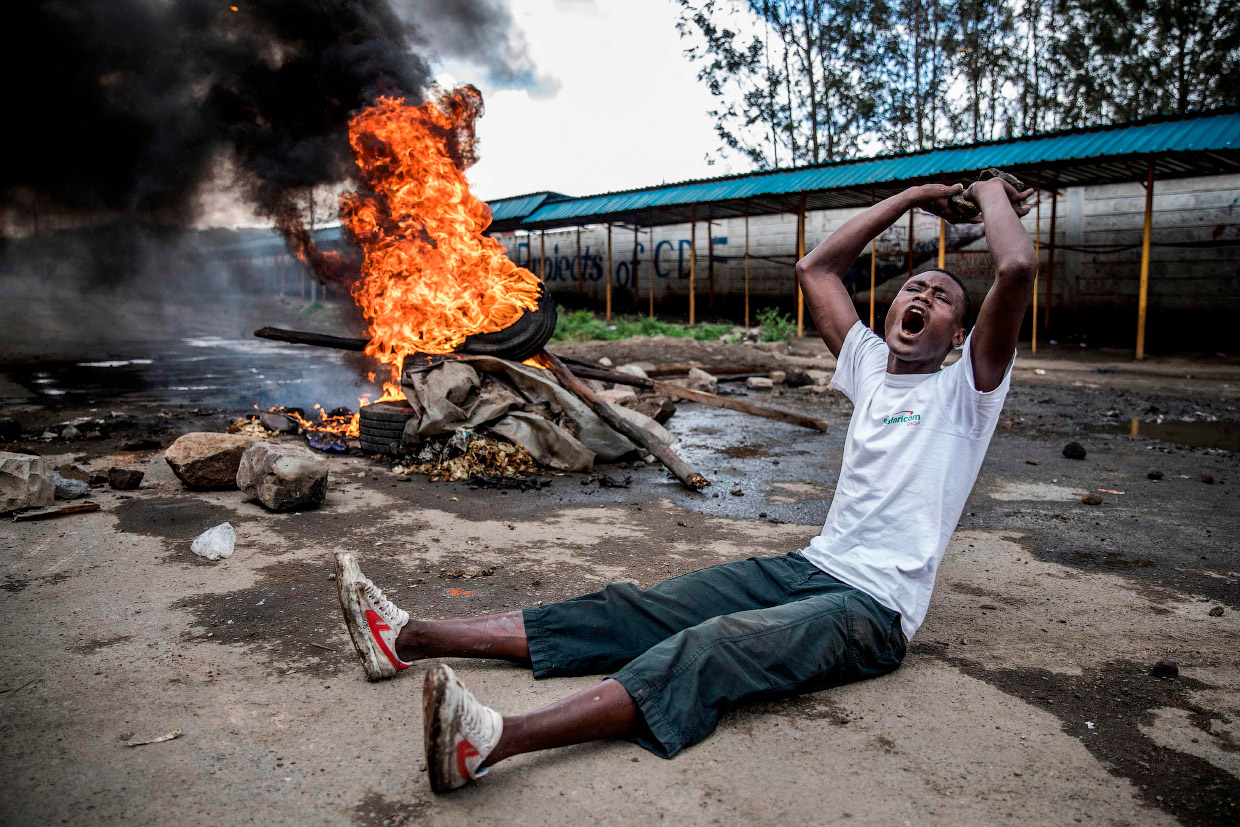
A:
[(282, 477), (617, 395), (700, 380), (819, 377), (759, 383), (215, 543), (605, 362), (25, 482), (778, 377), (633, 370)]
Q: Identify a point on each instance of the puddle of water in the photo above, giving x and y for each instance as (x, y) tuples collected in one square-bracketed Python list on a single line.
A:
[(1200, 434)]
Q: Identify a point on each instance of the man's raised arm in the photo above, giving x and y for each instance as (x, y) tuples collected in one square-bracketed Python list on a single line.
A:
[(821, 271), (998, 322)]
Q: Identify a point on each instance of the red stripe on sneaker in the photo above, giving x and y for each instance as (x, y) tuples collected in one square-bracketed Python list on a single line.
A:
[(377, 625), (465, 750)]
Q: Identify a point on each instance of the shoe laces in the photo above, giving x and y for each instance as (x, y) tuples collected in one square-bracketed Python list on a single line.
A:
[(394, 616), (475, 719)]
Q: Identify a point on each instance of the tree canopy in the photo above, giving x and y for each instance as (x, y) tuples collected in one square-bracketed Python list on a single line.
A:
[(810, 81)]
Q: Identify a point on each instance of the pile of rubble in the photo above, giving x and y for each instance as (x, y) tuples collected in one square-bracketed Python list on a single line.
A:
[(468, 456)]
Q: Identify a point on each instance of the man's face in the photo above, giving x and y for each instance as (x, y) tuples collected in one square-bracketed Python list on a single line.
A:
[(925, 320)]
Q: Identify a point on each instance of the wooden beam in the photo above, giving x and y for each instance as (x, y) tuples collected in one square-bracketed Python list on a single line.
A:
[(692, 263), (639, 436), (1144, 290)]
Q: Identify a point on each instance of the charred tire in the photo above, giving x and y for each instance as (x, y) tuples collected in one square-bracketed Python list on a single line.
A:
[(522, 339), (385, 414)]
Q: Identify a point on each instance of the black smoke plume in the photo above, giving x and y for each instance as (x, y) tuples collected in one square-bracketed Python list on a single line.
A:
[(127, 106)]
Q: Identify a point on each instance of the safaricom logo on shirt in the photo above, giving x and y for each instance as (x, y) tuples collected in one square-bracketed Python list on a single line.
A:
[(902, 417)]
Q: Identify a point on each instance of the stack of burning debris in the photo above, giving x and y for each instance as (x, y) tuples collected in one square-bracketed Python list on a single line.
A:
[(459, 327)]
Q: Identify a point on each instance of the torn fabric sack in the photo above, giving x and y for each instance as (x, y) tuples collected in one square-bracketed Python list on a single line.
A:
[(522, 404)]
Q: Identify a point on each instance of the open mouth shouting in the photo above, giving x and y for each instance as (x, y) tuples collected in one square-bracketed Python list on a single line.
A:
[(914, 320)]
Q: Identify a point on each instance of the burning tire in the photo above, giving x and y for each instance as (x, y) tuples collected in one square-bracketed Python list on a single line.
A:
[(381, 426), (520, 340)]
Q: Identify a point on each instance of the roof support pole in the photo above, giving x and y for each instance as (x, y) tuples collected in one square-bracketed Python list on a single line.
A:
[(650, 289), (1050, 261), (710, 261), (692, 263), (607, 289), (636, 261), (1144, 291), (746, 267), (873, 266), (1037, 252), (581, 282), (800, 255), (542, 255), (942, 243)]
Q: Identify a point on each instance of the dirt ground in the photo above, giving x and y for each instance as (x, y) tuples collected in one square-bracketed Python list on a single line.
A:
[(1026, 698)]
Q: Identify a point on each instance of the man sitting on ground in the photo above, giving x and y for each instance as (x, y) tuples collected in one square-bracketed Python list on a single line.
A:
[(842, 609)]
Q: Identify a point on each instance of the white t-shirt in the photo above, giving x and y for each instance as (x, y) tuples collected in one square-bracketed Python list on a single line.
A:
[(913, 450)]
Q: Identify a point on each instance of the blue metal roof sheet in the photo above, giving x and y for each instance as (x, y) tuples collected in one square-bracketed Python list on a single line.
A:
[(1210, 132)]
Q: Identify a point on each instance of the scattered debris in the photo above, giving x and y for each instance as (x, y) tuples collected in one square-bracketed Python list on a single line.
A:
[(507, 483), (458, 592), (759, 383), (1074, 450), (249, 426), (207, 460), (327, 442), (69, 489), (1032, 462), (215, 543), (1207, 478), (124, 479), (467, 575), (1090, 498), (147, 444), (1039, 372), (80, 508), (737, 492), (1165, 669), (169, 736), (321, 646), (604, 481), (1109, 491), (282, 477), (1153, 474), (1217, 611), (26, 481), (467, 454)]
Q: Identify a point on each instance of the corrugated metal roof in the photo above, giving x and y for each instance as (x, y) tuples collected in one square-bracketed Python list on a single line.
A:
[(519, 206), (1074, 156)]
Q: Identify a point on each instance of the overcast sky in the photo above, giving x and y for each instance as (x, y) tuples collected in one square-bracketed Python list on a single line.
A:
[(628, 111)]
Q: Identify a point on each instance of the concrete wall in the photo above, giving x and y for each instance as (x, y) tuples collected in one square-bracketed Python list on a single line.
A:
[(1094, 286)]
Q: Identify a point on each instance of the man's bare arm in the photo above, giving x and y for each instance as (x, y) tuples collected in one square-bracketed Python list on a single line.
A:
[(820, 273), (998, 322)]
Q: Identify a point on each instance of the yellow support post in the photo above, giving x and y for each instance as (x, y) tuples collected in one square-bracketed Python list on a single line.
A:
[(692, 263), (1037, 253), (608, 274), (873, 265), (800, 255), (746, 269), (942, 243), (1143, 294)]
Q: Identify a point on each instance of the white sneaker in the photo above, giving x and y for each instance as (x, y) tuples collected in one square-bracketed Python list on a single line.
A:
[(460, 732), (374, 621)]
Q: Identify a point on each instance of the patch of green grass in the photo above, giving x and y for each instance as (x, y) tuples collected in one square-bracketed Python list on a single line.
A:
[(775, 327), (584, 326)]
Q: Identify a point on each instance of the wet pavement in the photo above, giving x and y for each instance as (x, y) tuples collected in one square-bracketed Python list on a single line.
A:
[(1027, 696)]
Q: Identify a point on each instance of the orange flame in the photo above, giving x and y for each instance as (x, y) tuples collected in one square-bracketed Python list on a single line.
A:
[(430, 278)]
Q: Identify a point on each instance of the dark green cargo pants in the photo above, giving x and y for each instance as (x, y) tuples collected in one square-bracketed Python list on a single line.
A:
[(692, 646)]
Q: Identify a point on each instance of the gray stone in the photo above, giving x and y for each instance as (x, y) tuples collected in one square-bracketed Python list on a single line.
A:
[(73, 472), (700, 380), (282, 477), (633, 369), (818, 377), (604, 362), (617, 395), (70, 432), (25, 482), (124, 479), (759, 383), (797, 378), (207, 460), (277, 422), (69, 489), (778, 377)]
